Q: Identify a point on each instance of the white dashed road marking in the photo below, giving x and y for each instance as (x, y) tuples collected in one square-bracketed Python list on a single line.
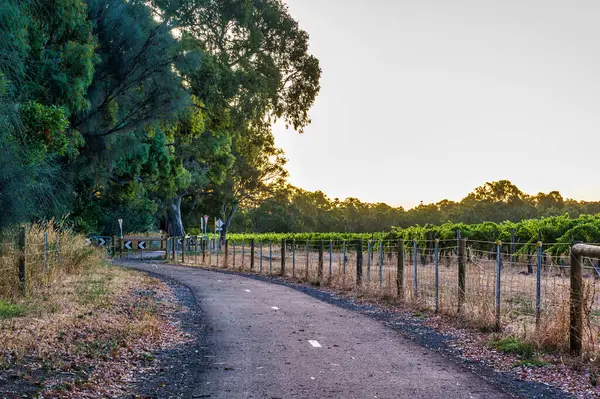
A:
[(314, 343), (247, 290), (274, 308)]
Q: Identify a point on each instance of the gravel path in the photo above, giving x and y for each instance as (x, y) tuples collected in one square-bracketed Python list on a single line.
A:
[(270, 341)]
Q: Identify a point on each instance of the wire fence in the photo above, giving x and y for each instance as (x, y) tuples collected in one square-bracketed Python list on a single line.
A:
[(519, 288), (33, 258)]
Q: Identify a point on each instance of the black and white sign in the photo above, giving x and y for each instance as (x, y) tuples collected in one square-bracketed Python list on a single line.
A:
[(142, 245), (101, 241), (128, 244)]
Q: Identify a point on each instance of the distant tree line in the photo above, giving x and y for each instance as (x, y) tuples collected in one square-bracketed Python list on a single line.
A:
[(294, 210)]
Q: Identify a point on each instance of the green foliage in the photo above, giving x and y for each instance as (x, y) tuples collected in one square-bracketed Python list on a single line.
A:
[(557, 233), (9, 310), (61, 57), (512, 345), (531, 363), (45, 127)]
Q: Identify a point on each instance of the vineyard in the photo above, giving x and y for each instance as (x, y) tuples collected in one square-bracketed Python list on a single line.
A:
[(557, 233)]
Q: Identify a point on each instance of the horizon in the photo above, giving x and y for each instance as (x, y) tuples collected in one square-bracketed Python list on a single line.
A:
[(447, 71)]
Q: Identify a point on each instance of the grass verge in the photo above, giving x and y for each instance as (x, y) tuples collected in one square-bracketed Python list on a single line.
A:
[(86, 335)]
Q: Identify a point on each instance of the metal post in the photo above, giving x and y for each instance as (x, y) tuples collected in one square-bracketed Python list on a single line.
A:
[(182, 249), (46, 257), (23, 261), (271, 257), (320, 269), (233, 243), (260, 254), (226, 254), (380, 263), (437, 274), (344, 259), (415, 278), (203, 250), (307, 257), (58, 248), (294, 258), (369, 261), (282, 271), (243, 253), (218, 247), (538, 284), (252, 253), (330, 259), (359, 262), (173, 248), (462, 246), (512, 245), (498, 281)]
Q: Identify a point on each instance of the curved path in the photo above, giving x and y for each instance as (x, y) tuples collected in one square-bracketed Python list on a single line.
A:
[(271, 341)]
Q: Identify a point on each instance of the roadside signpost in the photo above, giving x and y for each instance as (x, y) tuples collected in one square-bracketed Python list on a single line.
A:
[(128, 244)]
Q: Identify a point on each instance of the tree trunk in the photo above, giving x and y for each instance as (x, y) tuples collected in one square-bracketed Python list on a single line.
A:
[(175, 217), (228, 216)]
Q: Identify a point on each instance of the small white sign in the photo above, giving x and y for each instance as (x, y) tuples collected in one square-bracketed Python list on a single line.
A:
[(219, 223)]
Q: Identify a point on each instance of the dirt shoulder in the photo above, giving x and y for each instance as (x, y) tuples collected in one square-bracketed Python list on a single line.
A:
[(104, 333)]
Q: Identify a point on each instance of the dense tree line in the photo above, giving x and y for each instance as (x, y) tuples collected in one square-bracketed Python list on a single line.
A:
[(145, 110), (291, 209)]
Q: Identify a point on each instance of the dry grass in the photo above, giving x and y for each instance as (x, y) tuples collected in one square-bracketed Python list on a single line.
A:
[(87, 330), (64, 254), (84, 325)]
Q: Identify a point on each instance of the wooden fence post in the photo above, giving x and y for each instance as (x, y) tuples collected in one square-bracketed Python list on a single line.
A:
[(23, 261), (320, 269), (576, 311), (359, 262), (462, 249), (173, 248), (400, 270), (283, 256), (182, 249), (252, 254)]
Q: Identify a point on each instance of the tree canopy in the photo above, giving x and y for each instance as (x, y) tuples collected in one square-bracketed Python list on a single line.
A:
[(138, 109)]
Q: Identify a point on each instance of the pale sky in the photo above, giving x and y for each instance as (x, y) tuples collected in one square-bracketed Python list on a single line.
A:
[(425, 100)]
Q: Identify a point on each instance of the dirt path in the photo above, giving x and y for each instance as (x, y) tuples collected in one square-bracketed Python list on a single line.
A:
[(270, 341)]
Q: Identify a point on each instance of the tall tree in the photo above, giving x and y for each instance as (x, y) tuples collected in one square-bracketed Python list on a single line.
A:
[(260, 71)]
